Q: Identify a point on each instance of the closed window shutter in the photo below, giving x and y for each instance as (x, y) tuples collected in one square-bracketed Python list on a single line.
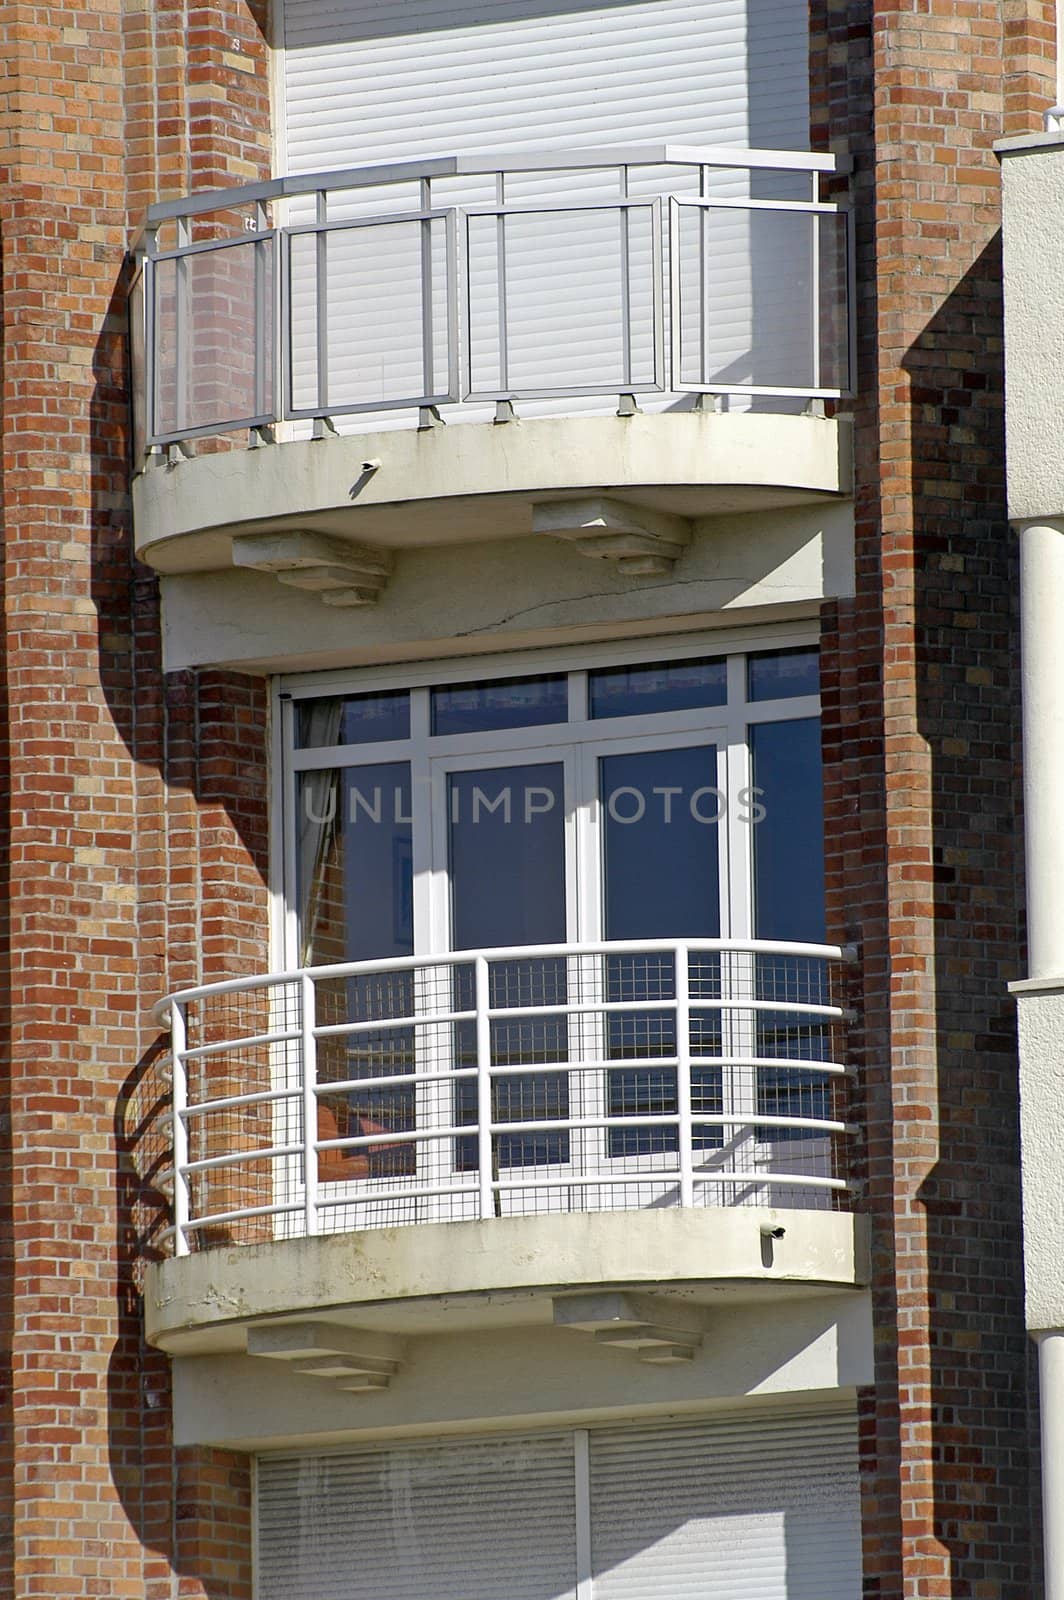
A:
[(374, 80), (388, 80), (452, 1521), (733, 1509)]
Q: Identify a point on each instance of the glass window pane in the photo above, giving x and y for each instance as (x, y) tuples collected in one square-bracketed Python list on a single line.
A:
[(660, 810), (661, 874), (356, 898), (507, 859), (782, 674), (657, 686), (353, 719), (355, 863), (789, 838), (507, 703), (507, 856)]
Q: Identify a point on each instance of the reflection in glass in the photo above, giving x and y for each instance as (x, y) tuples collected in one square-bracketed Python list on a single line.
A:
[(661, 872), (507, 860), (657, 686), (782, 674), (356, 894), (508, 703), (789, 839), (353, 719), (789, 905)]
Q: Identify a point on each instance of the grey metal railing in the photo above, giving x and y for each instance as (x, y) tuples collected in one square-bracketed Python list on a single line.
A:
[(465, 281)]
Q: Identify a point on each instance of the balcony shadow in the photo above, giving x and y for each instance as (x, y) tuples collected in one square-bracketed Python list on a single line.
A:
[(158, 719), (967, 677)]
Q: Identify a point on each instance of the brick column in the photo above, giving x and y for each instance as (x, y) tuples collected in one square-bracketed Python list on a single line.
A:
[(126, 834), (925, 867)]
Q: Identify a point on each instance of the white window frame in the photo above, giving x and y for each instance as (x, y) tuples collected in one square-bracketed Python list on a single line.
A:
[(730, 721), (577, 745)]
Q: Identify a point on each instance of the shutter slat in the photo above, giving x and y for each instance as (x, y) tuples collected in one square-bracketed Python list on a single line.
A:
[(366, 81), (737, 1507), (744, 1506), (412, 1521)]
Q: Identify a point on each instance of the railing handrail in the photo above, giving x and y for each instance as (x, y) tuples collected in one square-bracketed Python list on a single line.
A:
[(845, 953), (546, 159)]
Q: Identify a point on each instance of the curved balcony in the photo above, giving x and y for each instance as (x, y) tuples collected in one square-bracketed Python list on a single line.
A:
[(636, 293), (588, 1135), (503, 1083)]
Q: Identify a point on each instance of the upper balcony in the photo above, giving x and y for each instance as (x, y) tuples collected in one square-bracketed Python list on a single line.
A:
[(475, 1132), (661, 323)]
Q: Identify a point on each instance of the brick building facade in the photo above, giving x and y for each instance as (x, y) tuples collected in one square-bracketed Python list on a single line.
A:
[(141, 799)]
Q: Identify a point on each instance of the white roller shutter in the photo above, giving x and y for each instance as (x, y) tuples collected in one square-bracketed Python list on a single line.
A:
[(750, 1506), (374, 80), (451, 1521), (384, 80)]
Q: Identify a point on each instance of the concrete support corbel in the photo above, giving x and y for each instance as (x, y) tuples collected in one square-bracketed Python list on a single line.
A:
[(641, 543), (659, 1331), (340, 574), (354, 1359)]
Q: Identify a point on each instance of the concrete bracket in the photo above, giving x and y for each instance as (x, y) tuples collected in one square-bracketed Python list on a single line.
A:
[(340, 574), (354, 1359), (655, 1329), (641, 543)]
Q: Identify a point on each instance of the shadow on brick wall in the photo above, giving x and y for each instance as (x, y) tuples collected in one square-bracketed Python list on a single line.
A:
[(200, 852), (968, 704)]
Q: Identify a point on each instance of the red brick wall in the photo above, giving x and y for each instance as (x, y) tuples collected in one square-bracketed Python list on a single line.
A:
[(922, 806), (134, 837), (133, 861)]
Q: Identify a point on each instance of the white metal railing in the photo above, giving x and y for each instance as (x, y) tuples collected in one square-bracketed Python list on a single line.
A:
[(508, 1082), (461, 281)]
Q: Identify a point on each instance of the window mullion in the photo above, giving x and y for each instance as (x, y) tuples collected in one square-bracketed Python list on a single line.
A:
[(582, 1484)]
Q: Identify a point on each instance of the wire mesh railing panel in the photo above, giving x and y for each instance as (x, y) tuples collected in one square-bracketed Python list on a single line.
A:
[(506, 1083), (212, 316)]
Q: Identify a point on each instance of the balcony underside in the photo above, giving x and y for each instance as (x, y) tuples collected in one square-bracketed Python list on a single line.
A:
[(476, 482), (501, 1273)]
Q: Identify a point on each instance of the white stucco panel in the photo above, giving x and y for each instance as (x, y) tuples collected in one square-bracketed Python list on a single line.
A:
[(1041, 1019)]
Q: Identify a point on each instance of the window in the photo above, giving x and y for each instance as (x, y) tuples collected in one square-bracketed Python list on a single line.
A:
[(648, 799), (753, 1503)]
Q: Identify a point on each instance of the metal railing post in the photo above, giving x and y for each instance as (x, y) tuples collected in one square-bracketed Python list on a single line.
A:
[(626, 287), (310, 1104), (179, 1103), (500, 248), (683, 1075), (428, 337), (321, 297), (815, 284), (150, 376), (481, 998), (264, 253), (182, 319)]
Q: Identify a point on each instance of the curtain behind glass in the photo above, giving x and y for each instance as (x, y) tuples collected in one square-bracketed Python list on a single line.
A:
[(316, 821)]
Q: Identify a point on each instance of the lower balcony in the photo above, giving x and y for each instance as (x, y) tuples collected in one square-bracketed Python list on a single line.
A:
[(505, 1083), (471, 1139)]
